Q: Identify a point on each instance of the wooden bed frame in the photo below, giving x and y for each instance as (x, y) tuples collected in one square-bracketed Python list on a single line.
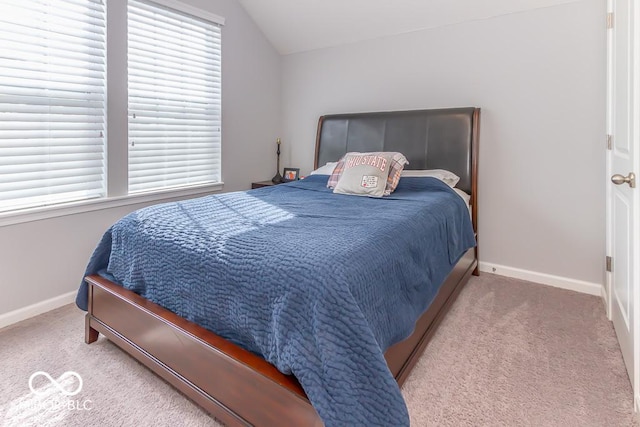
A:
[(238, 387)]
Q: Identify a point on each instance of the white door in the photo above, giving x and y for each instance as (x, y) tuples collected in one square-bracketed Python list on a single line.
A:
[(623, 210)]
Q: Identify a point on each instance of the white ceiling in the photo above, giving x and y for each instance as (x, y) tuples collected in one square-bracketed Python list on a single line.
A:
[(300, 25)]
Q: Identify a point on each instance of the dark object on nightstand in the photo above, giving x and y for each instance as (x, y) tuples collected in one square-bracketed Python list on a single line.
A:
[(261, 184), (278, 178)]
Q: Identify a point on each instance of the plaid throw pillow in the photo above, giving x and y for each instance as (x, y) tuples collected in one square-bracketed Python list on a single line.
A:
[(397, 162), (335, 175)]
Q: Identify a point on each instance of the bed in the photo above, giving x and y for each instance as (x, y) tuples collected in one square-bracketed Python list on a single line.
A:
[(239, 387)]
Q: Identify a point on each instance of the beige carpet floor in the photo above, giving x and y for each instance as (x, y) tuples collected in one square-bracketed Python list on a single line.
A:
[(509, 353)]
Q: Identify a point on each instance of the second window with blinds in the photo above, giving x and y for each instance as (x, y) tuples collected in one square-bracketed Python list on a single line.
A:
[(174, 98)]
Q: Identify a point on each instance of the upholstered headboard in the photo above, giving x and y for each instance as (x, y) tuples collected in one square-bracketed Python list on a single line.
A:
[(429, 139)]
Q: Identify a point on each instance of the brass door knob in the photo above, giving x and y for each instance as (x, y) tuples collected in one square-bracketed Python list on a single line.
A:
[(630, 179)]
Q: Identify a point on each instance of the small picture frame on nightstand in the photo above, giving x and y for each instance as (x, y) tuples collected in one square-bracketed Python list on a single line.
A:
[(291, 174)]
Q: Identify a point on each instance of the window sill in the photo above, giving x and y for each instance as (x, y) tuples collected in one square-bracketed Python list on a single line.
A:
[(37, 214)]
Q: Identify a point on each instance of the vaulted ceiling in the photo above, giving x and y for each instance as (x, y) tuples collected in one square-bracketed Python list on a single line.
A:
[(300, 25)]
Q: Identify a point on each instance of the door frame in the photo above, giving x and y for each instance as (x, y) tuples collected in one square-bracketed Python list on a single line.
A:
[(608, 191)]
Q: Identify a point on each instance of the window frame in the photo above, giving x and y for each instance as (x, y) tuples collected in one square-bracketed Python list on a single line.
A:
[(117, 130)]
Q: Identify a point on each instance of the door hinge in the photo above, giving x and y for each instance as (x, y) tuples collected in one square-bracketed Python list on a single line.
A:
[(609, 263), (609, 20), (609, 141)]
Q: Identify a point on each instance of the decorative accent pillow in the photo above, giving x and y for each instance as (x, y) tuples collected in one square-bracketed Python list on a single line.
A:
[(449, 178), (369, 174), (325, 170), (397, 165)]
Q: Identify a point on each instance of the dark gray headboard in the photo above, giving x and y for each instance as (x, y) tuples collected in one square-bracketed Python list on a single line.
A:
[(429, 139)]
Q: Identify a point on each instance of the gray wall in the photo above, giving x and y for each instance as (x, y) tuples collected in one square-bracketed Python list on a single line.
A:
[(45, 259), (539, 77)]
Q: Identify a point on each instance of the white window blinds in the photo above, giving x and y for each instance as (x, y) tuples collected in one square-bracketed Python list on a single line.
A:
[(174, 98), (52, 101)]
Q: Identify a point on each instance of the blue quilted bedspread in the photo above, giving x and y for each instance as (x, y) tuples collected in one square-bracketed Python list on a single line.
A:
[(317, 283)]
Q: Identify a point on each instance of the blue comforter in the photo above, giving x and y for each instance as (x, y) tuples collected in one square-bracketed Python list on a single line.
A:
[(319, 284)]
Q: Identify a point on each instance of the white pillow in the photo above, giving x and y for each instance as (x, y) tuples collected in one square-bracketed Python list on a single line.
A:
[(325, 170), (449, 178)]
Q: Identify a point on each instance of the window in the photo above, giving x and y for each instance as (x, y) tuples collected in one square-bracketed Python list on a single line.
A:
[(52, 102), (163, 130), (174, 98)]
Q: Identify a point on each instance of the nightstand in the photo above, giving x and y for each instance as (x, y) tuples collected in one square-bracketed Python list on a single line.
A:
[(261, 184)]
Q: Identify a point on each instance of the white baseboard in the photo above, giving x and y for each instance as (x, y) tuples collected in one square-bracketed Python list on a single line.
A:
[(36, 309), (545, 279)]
